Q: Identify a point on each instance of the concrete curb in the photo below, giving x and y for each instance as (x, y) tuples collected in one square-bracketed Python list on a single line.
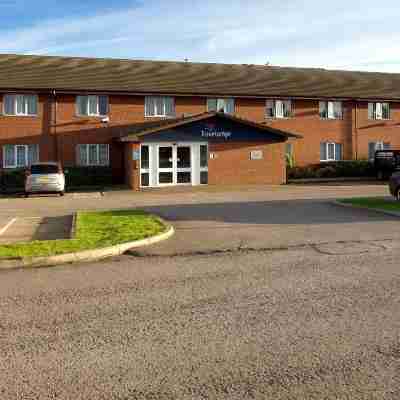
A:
[(84, 256), (377, 210)]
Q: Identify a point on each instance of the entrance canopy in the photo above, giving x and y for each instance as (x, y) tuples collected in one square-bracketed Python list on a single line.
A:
[(211, 127)]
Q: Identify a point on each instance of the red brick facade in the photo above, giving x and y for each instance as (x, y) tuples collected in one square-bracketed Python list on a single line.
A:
[(57, 129)]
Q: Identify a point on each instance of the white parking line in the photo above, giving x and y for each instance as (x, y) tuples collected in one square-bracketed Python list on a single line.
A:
[(4, 228)]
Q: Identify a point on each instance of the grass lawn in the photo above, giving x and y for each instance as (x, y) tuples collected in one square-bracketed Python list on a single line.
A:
[(374, 202), (93, 230)]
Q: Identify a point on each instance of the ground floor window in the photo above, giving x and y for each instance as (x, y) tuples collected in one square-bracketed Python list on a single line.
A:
[(20, 155), (93, 154), (330, 151), (374, 146)]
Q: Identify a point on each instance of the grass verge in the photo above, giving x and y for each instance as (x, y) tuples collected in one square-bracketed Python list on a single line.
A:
[(374, 202), (93, 230)]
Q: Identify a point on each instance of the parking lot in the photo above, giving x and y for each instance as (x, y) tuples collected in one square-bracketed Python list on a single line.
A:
[(215, 218), (262, 293)]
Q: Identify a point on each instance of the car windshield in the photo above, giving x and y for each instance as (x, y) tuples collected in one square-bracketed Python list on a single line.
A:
[(44, 169)]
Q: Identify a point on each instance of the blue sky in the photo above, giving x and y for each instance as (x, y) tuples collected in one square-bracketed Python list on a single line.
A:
[(351, 34)]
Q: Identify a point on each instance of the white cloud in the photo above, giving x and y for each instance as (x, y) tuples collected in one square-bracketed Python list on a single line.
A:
[(344, 34)]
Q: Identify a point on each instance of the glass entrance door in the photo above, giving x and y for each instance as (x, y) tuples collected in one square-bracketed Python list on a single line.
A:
[(183, 165), (174, 165), (165, 165)]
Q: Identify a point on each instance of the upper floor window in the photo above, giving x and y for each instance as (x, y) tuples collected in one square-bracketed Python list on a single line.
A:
[(226, 105), (330, 151), (20, 104), (374, 146), (93, 154), (159, 106), (330, 110), (20, 155), (92, 106), (378, 111), (278, 108)]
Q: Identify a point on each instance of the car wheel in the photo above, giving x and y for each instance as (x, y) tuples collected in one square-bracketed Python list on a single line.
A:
[(62, 194), (26, 194), (380, 176)]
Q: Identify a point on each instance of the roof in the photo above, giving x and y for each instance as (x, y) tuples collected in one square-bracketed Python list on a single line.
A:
[(139, 131), (22, 72)]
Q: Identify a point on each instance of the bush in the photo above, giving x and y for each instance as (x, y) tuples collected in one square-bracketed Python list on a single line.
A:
[(336, 169), (88, 176), (12, 179)]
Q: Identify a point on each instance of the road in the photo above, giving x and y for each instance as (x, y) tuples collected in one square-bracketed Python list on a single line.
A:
[(307, 322)]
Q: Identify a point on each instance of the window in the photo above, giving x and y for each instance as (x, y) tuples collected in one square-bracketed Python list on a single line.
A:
[(330, 110), (145, 165), (374, 146), (93, 154), (226, 105), (203, 164), (330, 151), (20, 155), (92, 106), (378, 111), (156, 106), (289, 149), (20, 104), (278, 108)]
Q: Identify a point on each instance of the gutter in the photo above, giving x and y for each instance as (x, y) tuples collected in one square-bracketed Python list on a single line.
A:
[(202, 94)]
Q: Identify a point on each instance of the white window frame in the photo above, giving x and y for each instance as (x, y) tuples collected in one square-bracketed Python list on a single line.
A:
[(373, 106), (330, 109), (89, 114), (15, 165), (15, 97), (379, 145), (275, 103), (203, 169), (157, 113), (88, 164), (224, 100), (150, 168), (327, 144)]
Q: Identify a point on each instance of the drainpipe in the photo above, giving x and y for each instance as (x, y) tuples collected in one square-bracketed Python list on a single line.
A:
[(356, 131), (54, 123)]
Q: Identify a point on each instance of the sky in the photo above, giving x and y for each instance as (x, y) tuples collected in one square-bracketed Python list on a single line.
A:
[(351, 34)]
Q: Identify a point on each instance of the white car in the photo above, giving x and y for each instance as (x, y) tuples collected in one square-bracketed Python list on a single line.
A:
[(45, 177)]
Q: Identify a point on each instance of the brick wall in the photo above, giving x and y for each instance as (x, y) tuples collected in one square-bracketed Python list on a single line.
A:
[(58, 138), (307, 123), (232, 164)]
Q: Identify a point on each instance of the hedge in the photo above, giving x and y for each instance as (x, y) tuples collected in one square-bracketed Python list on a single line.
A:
[(12, 180), (334, 169)]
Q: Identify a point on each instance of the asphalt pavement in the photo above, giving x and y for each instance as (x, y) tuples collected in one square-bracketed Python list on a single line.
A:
[(304, 323)]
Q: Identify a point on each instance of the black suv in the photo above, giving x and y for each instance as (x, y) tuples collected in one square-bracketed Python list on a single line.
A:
[(394, 185), (386, 163)]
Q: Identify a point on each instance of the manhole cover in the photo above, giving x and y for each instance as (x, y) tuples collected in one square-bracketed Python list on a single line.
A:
[(349, 248)]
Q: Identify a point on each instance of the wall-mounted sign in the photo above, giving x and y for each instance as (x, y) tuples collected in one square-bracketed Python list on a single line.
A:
[(211, 130), (136, 155), (256, 155)]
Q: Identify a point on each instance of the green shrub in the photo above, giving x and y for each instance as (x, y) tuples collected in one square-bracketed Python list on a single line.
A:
[(289, 160), (335, 169), (12, 179), (88, 176)]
